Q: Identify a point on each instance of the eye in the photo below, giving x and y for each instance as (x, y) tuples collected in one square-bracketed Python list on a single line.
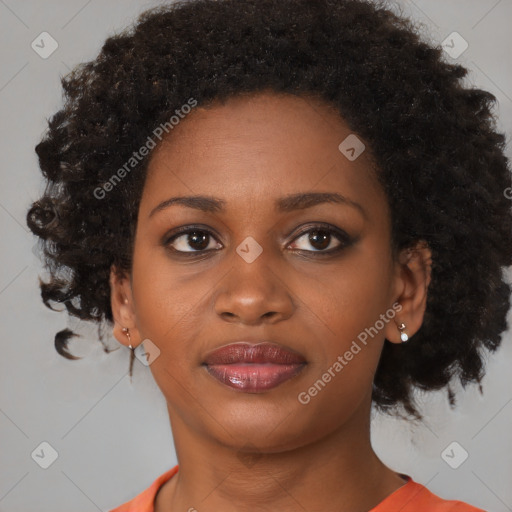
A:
[(322, 238), (196, 238)]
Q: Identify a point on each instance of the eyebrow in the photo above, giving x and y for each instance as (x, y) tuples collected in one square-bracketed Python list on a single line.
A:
[(285, 204)]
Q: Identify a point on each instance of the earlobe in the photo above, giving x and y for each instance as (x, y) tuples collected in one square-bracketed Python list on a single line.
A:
[(413, 279), (122, 307)]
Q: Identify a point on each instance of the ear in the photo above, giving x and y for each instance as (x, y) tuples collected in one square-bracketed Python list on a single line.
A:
[(123, 311), (413, 272)]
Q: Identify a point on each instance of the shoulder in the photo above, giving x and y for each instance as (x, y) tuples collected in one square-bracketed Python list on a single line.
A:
[(144, 502), (415, 497)]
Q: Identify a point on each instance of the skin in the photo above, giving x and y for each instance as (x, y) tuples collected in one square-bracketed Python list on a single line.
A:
[(245, 451)]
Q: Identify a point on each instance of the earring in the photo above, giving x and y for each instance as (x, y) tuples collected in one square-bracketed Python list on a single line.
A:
[(127, 332), (403, 334), (132, 350)]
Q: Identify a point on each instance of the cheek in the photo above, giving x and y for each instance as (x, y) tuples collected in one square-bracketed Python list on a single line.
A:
[(348, 307), (353, 296), (166, 311), (167, 303), (160, 288)]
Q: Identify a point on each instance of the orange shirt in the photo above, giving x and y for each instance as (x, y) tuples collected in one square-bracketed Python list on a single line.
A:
[(411, 497)]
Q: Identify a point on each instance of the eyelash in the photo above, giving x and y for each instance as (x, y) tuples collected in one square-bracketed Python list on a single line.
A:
[(344, 239)]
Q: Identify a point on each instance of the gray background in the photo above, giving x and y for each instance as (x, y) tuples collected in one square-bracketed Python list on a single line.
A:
[(112, 436)]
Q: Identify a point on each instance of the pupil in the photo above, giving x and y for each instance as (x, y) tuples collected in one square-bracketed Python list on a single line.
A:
[(325, 238), (195, 238)]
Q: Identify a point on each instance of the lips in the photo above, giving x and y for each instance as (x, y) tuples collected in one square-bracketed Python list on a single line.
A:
[(253, 368)]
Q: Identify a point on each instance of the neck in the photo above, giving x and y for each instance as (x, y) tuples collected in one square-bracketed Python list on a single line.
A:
[(340, 471)]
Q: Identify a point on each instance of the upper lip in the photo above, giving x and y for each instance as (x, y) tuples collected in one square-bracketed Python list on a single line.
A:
[(246, 352)]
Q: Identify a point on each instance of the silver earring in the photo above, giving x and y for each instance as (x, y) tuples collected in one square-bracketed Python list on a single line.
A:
[(127, 332), (403, 334)]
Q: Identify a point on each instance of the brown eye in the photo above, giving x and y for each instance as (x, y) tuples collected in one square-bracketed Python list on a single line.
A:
[(317, 239), (321, 239), (196, 239)]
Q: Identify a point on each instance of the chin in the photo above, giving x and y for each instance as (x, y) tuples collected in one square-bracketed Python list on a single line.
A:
[(271, 429)]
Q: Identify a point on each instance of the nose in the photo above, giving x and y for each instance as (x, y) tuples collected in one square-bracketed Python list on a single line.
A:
[(254, 293)]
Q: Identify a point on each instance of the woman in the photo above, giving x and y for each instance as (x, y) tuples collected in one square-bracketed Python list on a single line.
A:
[(290, 211)]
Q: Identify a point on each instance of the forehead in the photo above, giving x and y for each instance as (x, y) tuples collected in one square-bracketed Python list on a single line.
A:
[(258, 147)]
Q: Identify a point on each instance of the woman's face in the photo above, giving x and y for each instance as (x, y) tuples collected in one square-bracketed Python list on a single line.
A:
[(256, 271)]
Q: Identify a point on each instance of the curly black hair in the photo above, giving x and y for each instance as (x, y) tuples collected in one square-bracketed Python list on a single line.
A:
[(440, 157)]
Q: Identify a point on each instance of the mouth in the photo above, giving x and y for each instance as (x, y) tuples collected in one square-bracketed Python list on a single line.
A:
[(253, 368)]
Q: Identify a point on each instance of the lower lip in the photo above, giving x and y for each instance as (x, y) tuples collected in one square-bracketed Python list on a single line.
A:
[(253, 377)]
